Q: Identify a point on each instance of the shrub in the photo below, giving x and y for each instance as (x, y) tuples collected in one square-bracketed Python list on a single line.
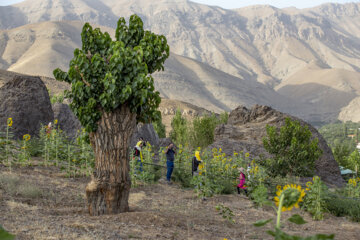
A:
[(9, 183), (202, 134), (179, 132), (224, 117), (159, 128), (259, 195), (293, 149), (4, 235), (340, 207), (28, 190)]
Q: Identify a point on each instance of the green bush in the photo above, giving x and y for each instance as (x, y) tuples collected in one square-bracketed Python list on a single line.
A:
[(183, 177), (159, 128), (293, 148), (259, 195), (202, 134), (340, 207), (179, 132), (4, 235)]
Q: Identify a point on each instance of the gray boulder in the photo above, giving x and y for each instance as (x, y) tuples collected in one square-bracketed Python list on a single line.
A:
[(147, 132), (26, 100), (247, 127), (67, 121)]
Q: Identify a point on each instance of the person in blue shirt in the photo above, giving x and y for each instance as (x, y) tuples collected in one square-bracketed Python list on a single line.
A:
[(170, 157)]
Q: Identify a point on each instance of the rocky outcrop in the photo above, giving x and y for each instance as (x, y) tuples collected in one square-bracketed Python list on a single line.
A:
[(67, 121), (247, 127), (147, 132), (26, 100)]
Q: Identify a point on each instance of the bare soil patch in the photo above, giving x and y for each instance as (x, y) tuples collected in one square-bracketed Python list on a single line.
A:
[(158, 211)]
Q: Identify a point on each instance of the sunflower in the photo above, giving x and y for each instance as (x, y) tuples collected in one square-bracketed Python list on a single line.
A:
[(26, 137), (352, 181), (293, 194), (247, 155), (9, 122), (308, 185)]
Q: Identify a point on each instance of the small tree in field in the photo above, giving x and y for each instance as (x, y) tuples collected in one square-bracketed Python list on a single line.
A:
[(293, 150), (179, 132), (112, 90)]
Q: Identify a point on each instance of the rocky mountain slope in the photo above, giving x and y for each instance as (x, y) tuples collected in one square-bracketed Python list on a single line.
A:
[(258, 43), (37, 49)]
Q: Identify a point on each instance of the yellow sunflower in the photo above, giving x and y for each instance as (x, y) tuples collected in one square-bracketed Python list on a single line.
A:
[(247, 155), (9, 122), (26, 137), (293, 195), (352, 181)]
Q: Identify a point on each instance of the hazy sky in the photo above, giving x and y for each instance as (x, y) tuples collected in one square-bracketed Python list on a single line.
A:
[(242, 3)]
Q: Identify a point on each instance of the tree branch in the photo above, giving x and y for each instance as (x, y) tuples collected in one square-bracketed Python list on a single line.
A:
[(82, 76)]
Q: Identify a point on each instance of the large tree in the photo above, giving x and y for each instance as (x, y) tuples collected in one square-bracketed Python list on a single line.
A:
[(112, 90)]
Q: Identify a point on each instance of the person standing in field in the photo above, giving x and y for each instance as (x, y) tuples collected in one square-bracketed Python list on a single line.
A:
[(170, 157), (138, 153), (196, 160)]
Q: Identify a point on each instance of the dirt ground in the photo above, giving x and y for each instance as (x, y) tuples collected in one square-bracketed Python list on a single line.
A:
[(158, 211)]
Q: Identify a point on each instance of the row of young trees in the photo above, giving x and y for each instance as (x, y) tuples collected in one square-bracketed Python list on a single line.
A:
[(196, 133)]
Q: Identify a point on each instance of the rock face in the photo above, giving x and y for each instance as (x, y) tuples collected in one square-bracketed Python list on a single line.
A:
[(247, 127), (26, 100), (147, 132), (67, 121)]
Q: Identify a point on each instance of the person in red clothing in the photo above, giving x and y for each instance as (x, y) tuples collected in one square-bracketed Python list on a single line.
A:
[(242, 180)]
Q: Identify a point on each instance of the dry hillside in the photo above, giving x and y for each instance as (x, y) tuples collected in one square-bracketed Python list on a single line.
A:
[(263, 43), (37, 49), (257, 43)]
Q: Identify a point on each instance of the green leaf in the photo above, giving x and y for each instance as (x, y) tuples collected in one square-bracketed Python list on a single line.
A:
[(4, 235), (262, 222), (297, 219), (272, 233), (321, 237)]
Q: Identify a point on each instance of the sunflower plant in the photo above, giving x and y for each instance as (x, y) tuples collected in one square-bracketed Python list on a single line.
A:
[(287, 198), (25, 154), (353, 188), (315, 199)]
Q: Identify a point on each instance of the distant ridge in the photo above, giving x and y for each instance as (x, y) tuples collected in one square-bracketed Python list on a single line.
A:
[(257, 43)]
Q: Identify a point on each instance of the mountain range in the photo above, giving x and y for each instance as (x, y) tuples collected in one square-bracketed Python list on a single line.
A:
[(305, 62)]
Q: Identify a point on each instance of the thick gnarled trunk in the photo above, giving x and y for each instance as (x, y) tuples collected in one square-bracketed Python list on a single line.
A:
[(108, 191)]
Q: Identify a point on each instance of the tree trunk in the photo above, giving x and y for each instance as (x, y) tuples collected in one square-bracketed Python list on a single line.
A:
[(109, 188)]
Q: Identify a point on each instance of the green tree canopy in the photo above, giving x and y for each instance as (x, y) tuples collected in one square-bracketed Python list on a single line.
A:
[(106, 74), (179, 132), (293, 150)]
